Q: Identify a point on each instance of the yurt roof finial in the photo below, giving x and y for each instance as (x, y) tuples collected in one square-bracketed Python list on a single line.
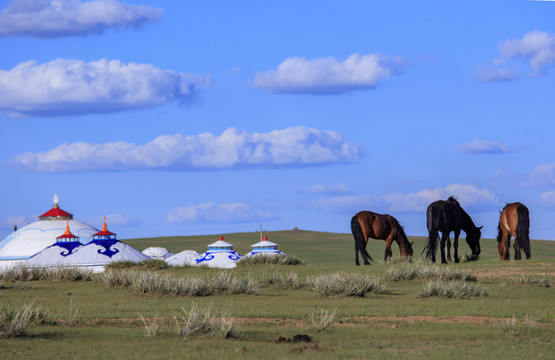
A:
[(67, 236), (104, 234), (56, 201), (67, 229), (104, 228)]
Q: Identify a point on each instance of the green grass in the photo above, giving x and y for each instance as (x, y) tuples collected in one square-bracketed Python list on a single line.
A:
[(514, 321)]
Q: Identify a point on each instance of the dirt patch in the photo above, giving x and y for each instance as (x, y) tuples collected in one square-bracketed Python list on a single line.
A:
[(542, 269)]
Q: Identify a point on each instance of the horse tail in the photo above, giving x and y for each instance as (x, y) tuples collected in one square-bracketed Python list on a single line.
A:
[(433, 235), (359, 237), (499, 231), (403, 240), (523, 229)]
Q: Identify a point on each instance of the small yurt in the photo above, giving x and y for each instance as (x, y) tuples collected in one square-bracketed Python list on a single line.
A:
[(66, 244), (33, 238), (186, 257), (266, 248), (220, 255), (104, 248), (157, 253)]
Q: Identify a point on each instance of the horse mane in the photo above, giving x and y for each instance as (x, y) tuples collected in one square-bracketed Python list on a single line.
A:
[(467, 221), (453, 200), (402, 237)]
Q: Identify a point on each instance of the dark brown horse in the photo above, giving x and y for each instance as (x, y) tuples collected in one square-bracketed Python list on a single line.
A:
[(367, 224), (514, 220), (446, 216)]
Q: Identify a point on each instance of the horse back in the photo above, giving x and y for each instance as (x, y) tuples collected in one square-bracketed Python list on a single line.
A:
[(444, 216), (375, 226), (510, 216)]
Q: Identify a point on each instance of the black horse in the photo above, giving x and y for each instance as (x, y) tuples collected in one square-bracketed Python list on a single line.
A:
[(446, 216)]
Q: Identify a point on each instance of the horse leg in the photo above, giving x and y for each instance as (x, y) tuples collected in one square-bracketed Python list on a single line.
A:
[(456, 246), (356, 255), (442, 247), (516, 246), (507, 254), (448, 248), (388, 252)]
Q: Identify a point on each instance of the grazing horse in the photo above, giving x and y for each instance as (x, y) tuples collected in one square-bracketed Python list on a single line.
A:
[(367, 224), (514, 220), (446, 216)]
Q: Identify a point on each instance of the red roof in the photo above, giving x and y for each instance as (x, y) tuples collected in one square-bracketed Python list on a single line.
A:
[(56, 212)]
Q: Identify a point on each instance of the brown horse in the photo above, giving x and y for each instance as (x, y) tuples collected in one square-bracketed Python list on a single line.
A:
[(367, 224), (445, 216), (514, 220)]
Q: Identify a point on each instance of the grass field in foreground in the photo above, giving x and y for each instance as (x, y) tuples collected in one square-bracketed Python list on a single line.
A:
[(514, 320)]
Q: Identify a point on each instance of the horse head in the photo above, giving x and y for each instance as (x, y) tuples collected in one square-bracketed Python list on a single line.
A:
[(473, 240), (408, 249)]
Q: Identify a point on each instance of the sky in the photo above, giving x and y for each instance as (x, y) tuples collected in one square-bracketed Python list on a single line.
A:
[(179, 118)]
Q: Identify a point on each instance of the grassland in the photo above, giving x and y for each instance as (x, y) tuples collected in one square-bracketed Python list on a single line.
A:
[(514, 320)]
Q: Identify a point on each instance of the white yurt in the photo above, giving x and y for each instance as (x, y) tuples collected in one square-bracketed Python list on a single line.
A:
[(66, 244), (220, 255), (265, 247), (103, 249), (32, 238), (186, 257), (158, 253)]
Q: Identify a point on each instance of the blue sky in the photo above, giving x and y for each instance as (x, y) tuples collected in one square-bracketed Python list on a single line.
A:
[(182, 118)]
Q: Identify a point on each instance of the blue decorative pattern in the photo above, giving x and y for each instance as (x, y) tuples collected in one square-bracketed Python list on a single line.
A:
[(67, 247), (234, 256), (209, 255), (107, 244)]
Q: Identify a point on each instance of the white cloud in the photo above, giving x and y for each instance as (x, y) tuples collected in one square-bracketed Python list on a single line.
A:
[(544, 174), (536, 48), (468, 195), (478, 146), (59, 18), (212, 212), (329, 75), (548, 198), (233, 149), (493, 74), (338, 189), (70, 87)]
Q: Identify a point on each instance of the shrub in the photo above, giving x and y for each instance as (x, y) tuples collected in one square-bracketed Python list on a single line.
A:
[(16, 322), (346, 284), (201, 321), (452, 289), (416, 271), (149, 264), (23, 273), (151, 283), (517, 327), (225, 283), (324, 322), (289, 280), (276, 259), (157, 327), (531, 281)]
